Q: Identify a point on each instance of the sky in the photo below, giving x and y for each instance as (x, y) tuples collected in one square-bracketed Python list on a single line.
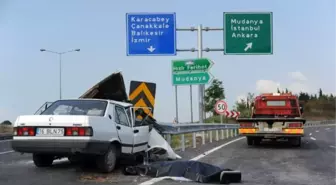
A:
[(303, 45)]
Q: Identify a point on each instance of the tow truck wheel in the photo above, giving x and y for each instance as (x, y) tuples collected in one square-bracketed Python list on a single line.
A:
[(249, 140), (43, 160), (296, 142), (257, 141), (107, 162)]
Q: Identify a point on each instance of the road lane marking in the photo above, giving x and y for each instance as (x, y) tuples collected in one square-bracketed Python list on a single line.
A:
[(155, 180), (310, 134), (55, 161), (313, 138), (31, 162), (11, 151), (332, 146), (317, 131), (327, 129)]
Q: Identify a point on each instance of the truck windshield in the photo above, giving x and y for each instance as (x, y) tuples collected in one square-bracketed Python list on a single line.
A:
[(77, 107), (276, 103)]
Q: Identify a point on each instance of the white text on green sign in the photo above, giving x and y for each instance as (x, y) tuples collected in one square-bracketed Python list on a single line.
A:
[(192, 78), (248, 33), (201, 64)]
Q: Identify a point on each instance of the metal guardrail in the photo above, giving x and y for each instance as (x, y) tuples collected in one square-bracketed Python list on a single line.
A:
[(225, 130), (6, 136)]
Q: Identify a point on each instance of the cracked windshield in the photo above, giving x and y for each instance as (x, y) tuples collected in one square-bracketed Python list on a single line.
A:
[(170, 92)]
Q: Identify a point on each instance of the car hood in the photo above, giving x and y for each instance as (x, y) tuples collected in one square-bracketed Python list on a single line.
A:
[(112, 88)]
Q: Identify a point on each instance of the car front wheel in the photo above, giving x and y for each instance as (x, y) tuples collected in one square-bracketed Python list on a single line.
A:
[(107, 162)]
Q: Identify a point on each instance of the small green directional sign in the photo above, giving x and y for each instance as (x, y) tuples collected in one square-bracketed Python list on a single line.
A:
[(191, 71), (248, 33), (200, 64), (192, 78)]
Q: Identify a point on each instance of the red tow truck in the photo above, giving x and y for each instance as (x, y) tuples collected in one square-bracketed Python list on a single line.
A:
[(274, 116)]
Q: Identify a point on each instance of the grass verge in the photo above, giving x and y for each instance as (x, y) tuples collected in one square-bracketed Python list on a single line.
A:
[(6, 129)]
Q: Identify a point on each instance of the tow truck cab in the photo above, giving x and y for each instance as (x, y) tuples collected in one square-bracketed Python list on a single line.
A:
[(274, 116)]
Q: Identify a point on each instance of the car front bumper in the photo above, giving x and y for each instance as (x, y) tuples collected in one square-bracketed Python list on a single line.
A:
[(58, 146)]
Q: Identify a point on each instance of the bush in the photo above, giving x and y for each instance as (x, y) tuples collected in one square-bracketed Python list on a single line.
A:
[(6, 123)]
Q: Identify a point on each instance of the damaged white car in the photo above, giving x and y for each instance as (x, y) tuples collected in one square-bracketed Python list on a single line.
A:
[(94, 126)]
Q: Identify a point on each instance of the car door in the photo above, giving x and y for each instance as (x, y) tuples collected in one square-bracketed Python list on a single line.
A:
[(141, 133), (124, 129)]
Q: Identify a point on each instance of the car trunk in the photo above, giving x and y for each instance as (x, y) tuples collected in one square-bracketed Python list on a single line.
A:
[(112, 88), (52, 121)]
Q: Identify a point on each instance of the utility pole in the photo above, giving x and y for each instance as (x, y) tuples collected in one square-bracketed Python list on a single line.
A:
[(60, 65), (201, 88)]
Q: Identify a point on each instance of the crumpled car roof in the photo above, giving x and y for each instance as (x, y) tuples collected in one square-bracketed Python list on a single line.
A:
[(111, 87)]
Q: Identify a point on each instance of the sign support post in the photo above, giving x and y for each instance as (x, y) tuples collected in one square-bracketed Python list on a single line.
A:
[(257, 43)]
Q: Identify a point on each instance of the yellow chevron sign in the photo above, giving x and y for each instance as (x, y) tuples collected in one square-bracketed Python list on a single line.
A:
[(142, 94)]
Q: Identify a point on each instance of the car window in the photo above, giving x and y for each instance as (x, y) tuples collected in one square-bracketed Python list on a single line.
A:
[(77, 107), (61, 110), (121, 117), (129, 115)]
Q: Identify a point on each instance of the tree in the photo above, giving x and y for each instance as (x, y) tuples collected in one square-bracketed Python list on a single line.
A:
[(6, 122), (244, 106), (320, 93), (213, 93)]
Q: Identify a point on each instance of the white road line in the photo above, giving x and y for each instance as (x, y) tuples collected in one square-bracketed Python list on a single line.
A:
[(327, 129), (55, 161), (317, 131), (11, 151), (7, 140), (332, 146), (31, 162), (310, 134), (313, 138), (155, 180)]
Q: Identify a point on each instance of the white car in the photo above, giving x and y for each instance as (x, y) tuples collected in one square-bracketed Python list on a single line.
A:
[(103, 130)]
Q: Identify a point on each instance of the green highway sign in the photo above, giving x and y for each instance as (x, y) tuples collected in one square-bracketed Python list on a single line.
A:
[(200, 64), (192, 78), (248, 33), (191, 71)]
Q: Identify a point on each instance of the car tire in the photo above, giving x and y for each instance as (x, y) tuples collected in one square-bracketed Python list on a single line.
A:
[(249, 140), (107, 162), (43, 160), (75, 159)]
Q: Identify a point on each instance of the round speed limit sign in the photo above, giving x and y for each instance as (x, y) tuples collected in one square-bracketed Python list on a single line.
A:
[(220, 107)]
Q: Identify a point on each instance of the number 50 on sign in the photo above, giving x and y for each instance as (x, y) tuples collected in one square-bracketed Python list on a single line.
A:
[(220, 107)]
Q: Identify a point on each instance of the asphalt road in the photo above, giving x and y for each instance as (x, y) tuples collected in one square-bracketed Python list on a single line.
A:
[(314, 163), (17, 169)]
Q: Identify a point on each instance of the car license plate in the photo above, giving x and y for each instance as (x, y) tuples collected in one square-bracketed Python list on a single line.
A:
[(272, 129), (50, 132)]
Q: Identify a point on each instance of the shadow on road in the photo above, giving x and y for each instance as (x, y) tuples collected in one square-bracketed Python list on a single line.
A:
[(266, 144), (87, 172)]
